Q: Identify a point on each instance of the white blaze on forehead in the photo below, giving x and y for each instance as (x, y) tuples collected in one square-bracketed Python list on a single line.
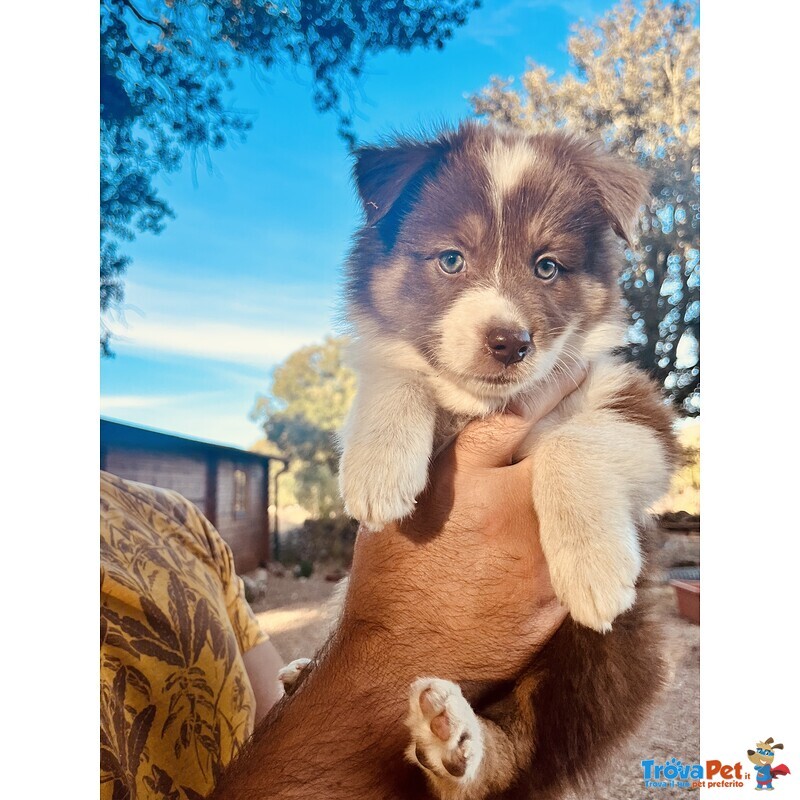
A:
[(506, 163), (462, 330)]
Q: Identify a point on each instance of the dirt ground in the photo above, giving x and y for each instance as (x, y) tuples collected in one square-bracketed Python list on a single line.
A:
[(296, 614)]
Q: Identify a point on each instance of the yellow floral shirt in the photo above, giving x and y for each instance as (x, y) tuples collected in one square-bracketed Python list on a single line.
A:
[(176, 704)]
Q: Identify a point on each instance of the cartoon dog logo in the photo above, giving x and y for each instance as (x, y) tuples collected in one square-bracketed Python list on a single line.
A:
[(762, 757)]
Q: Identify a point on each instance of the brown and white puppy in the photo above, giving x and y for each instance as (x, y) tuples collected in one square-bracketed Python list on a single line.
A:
[(488, 264)]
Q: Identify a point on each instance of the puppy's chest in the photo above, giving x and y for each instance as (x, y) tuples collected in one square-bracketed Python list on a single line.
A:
[(448, 425)]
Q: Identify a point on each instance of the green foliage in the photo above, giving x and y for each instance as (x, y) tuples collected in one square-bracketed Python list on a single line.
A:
[(165, 68), (327, 541), (636, 85), (310, 394), (305, 569)]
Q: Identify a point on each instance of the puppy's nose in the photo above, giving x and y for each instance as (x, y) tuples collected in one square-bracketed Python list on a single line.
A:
[(508, 346)]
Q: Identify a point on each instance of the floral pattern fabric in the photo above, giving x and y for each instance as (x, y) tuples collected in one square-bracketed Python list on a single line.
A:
[(176, 704)]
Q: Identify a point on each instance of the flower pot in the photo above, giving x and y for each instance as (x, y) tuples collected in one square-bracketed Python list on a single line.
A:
[(687, 594)]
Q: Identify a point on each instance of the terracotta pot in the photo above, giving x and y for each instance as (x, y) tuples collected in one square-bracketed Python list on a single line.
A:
[(688, 596)]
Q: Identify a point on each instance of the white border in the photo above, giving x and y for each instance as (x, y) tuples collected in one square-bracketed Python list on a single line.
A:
[(750, 426), (50, 142)]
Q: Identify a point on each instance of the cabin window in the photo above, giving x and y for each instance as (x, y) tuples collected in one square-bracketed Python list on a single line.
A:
[(239, 493)]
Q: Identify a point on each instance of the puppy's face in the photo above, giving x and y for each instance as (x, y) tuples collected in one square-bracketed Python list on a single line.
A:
[(494, 255), (764, 753)]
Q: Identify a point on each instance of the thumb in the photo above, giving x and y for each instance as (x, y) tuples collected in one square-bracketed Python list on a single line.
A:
[(492, 441)]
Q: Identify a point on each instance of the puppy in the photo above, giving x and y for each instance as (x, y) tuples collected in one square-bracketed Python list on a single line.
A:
[(487, 265)]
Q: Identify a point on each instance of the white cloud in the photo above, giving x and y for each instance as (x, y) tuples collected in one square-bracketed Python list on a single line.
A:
[(158, 292), (233, 331), (125, 402), (220, 341), (214, 416), (244, 322)]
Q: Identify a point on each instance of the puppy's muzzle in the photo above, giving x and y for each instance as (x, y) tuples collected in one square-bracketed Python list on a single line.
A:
[(508, 346)]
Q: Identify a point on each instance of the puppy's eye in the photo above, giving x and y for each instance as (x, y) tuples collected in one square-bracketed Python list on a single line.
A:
[(546, 269), (451, 262)]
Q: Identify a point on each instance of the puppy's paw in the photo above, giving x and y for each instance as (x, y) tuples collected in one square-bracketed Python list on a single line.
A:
[(379, 486), (289, 674), (594, 574), (446, 737)]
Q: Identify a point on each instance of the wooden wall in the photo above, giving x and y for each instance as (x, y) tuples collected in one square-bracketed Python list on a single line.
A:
[(185, 474), (193, 476), (246, 533)]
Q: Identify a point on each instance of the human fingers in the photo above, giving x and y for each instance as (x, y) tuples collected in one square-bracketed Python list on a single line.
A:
[(493, 441), (540, 403)]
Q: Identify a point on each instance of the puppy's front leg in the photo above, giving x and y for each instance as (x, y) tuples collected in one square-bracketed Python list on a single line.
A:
[(386, 446), (594, 478)]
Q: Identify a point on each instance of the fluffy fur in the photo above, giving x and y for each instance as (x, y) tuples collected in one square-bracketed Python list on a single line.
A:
[(504, 202)]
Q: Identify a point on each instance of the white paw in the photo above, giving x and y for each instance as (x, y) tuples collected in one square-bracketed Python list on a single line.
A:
[(446, 737), (289, 674), (379, 486), (594, 574)]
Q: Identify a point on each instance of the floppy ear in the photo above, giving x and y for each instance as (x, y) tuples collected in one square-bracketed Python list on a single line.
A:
[(388, 178), (622, 187), (777, 747)]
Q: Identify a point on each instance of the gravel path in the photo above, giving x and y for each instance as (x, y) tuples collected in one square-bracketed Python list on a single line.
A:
[(296, 614)]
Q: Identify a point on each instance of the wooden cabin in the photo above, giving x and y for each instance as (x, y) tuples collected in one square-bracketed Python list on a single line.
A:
[(230, 486)]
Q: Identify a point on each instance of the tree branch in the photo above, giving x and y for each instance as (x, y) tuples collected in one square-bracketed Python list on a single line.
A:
[(141, 17)]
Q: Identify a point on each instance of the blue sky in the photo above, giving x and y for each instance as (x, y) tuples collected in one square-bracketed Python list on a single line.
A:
[(250, 268)]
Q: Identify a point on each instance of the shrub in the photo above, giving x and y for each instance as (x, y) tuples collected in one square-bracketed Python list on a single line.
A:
[(320, 541)]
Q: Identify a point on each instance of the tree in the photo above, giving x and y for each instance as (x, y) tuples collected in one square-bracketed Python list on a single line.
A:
[(310, 394), (165, 66), (636, 85)]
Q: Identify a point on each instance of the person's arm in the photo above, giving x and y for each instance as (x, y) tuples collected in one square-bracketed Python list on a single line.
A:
[(262, 663), (340, 736), (459, 591)]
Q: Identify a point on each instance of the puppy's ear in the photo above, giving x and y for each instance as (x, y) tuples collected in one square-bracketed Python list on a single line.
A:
[(389, 178), (622, 188)]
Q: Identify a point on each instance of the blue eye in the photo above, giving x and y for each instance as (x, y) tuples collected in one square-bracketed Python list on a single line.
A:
[(451, 262), (546, 269)]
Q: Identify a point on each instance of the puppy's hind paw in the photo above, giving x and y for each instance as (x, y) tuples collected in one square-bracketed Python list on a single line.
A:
[(289, 674), (446, 736)]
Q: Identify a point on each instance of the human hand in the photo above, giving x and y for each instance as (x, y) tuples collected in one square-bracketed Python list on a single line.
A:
[(461, 589)]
